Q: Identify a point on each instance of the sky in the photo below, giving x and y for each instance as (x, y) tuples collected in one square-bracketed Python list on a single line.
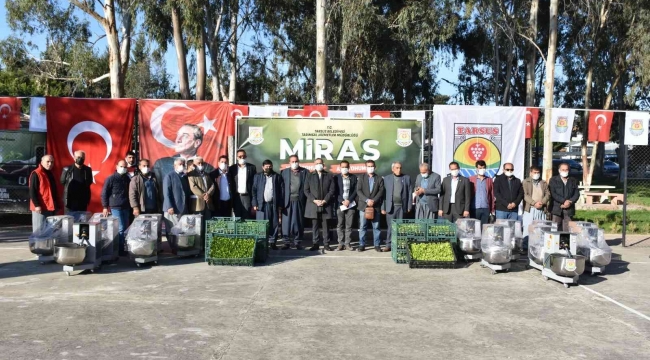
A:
[(449, 73)]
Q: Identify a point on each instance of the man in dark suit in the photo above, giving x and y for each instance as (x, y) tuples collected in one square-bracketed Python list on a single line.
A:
[(427, 188), (564, 194), (294, 179), (268, 196), (346, 194), (455, 195), (370, 189), (508, 193), (243, 174), (224, 188), (319, 190), (397, 198)]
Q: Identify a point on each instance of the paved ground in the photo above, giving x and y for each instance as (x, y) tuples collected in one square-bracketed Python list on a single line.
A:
[(334, 306)]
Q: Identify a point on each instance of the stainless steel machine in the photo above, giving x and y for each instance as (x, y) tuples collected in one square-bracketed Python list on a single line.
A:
[(496, 245), (468, 232), (561, 261), (109, 227), (85, 251), (157, 230), (592, 245), (56, 230), (518, 239), (187, 236), (536, 244), (142, 239)]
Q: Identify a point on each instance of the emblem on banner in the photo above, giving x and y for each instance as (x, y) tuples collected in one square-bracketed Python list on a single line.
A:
[(404, 137), (41, 109), (636, 128), (5, 113), (275, 113), (562, 124), (255, 135), (474, 142), (358, 115)]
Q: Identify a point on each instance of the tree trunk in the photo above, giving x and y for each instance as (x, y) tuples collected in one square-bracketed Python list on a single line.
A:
[(548, 90), (114, 59), (127, 29), (179, 44), (321, 56), (583, 146), (497, 67), (213, 27), (532, 54), (342, 97), (200, 68), (506, 91), (232, 93)]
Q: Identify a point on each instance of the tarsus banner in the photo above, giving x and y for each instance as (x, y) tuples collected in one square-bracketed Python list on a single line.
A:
[(355, 140)]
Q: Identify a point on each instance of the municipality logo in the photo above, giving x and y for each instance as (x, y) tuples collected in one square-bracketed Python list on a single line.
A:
[(358, 115), (404, 137), (474, 142), (636, 128), (562, 124), (255, 135)]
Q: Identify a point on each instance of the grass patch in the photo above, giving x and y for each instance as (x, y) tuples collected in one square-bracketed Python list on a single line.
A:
[(638, 222), (638, 190)]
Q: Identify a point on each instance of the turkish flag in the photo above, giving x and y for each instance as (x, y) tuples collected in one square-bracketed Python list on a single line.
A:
[(380, 114), (102, 128), (532, 116), (235, 111), (600, 124), (9, 113), (295, 113), (170, 129), (315, 111)]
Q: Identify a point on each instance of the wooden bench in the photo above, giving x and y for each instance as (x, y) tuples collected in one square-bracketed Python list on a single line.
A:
[(614, 199)]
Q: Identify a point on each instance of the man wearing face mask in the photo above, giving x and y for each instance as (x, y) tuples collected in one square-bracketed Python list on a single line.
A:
[(43, 198), (176, 197), (370, 189), (189, 139), (427, 188), (397, 198), (319, 189), (295, 199), (76, 180), (144, 191), (346, 194), (131, 168), (243, 173), (268, 196), (508, 193), (202, 189), (536, 197), (455, 195), (564, 194), (482, 204), (224, 188), (115, 200)]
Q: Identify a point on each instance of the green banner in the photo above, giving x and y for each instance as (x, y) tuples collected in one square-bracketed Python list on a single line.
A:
[(355, 140)]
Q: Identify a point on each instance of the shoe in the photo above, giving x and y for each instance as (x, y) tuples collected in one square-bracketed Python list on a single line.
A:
[(299, 247), (327, 248), (377, 249), (285, 247), (349, 247), (274, 247), (340, 248), (313, 247), (386, 249), (361, 248)]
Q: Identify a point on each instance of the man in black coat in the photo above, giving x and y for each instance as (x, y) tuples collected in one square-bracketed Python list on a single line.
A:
[(319, 190), (455, 195), (564, 194), (243, 174), (115, 200), (508, 193), (346, 195), (397, 198), (76, 180), (370, 189), (268, 196), (224, 188), (294, 179)]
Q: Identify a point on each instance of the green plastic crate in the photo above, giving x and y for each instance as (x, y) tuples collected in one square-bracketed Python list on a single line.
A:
[(409, 227), (255, 227), (261, 249), (428, 264), (221, 225), (441, 229), (247, 261), (399, 255)]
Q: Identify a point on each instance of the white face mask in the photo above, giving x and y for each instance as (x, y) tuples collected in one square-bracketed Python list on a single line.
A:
[(144, 170), (454, 173), (223, 166), (536, 176), (508, 173), (564, 174), (370, 169), (319, 167), (425, 175), (295, 165), (241, 161), (345, 171), (481, 172), (121, 170), (199, 167), (180, 169)]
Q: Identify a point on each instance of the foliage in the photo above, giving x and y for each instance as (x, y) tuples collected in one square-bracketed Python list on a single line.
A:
[(612, 220)]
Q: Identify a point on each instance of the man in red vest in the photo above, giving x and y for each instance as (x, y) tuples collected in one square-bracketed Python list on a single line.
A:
[(43, 198)]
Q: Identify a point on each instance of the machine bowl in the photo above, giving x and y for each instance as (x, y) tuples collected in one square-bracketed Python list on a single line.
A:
[(497, 255), (42, 247), (559, 265), (139, 247), (536, 254), (470, 245), (600, 258), (69, 253), (185, 241)]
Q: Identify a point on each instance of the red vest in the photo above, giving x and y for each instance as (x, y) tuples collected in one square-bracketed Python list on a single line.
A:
[(45, 196)]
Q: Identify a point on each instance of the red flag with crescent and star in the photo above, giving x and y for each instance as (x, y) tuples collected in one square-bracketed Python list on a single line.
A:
[(532, 116), (103, 128), (236, 111), (9, 113), (600, 124)]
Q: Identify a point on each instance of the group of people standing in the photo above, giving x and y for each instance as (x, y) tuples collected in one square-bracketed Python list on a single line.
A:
[(296, 194)]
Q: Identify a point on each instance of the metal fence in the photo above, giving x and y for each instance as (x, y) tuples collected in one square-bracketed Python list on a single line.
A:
[(636, 187)]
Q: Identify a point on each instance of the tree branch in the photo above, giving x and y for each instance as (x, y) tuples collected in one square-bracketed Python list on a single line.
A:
[(88, 10), (535, 45)]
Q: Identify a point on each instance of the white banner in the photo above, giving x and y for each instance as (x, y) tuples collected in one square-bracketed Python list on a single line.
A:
[(466, 134), (562, 124), (359, 111), (636, 128), (340, 114), (268, 111), (37, 116), (414, 114)]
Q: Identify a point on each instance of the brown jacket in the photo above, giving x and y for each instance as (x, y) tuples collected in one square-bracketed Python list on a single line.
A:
[(136, 192), (198, 188), (528, 193)]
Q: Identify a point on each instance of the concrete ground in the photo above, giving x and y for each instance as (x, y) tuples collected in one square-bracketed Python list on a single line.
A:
[(299, 305)]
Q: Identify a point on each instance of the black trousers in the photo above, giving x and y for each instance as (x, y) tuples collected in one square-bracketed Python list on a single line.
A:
[(397, 213), (224, 208), (243, 206), (483, 215), (317, 223)]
